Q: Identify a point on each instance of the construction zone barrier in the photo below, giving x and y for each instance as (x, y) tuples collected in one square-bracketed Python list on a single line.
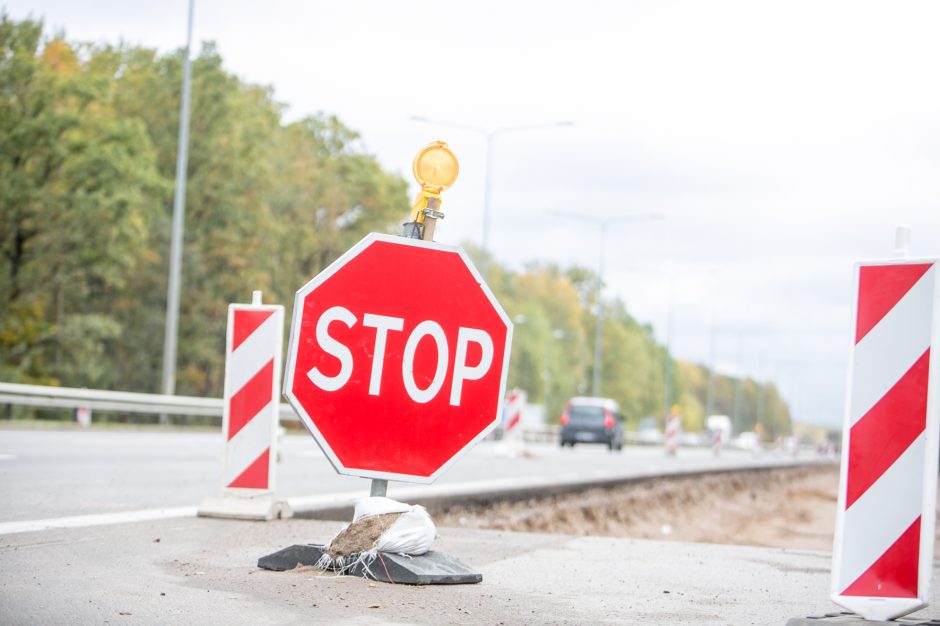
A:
[(250, 413), (884, 539)]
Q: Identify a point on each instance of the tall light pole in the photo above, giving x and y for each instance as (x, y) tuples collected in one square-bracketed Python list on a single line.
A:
[(667, 359), (602, 223), (710, 392), (736, 419), (179, 212), (490, 134)]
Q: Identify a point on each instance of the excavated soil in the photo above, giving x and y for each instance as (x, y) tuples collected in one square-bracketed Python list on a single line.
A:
[(360, 535), (784, 508)]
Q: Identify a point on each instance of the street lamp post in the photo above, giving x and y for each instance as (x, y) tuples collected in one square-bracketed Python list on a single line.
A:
[(602, 223), (667, 359), (710, 390), (179, 212), (490, 135)]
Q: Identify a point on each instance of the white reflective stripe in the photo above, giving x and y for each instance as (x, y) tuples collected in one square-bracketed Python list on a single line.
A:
[(249, 443), (254, 353), (96, 519), (890, 349), (879, 517)]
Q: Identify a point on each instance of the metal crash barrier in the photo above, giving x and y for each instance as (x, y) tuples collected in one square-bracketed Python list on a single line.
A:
[(117, 401)]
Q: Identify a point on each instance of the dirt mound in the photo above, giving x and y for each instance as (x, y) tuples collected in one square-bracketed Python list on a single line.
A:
[(361, 535), (788, 508)]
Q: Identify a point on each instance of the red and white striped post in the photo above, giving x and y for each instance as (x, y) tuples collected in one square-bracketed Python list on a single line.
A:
[(884, 539), (515, 401), (250, 414), (512, 444), (717, 441), (671, 437)]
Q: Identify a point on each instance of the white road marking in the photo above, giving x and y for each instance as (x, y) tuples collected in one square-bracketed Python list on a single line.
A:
[(97, 519)]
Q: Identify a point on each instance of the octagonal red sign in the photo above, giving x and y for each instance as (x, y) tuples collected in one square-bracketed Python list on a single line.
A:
[(398, 358)]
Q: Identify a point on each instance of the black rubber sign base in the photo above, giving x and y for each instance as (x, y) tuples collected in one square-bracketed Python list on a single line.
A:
[(433, 568), (851, 619)]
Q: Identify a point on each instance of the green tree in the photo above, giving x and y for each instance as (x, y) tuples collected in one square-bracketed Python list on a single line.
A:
[(267, 205), (75, 181)]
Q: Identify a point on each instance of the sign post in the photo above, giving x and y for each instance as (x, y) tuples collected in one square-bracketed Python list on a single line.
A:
[(398, 355)]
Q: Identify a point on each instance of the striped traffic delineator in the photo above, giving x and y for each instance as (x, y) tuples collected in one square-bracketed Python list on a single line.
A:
[(671, 438), (884, 537), (250, 413), (515, 401), (512, 444)]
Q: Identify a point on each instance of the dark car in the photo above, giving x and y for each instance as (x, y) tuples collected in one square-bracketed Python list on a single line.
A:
[(592, 420)]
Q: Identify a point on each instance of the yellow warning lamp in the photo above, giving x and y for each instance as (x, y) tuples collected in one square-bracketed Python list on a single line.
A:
[(435, 168)]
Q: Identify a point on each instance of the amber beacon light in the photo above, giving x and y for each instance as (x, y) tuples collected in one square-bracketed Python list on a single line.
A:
[(435, 168)]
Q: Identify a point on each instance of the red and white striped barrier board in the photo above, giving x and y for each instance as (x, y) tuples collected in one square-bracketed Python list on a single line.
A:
[(672, 434), (514, 403), (251, 398), (884, 538)]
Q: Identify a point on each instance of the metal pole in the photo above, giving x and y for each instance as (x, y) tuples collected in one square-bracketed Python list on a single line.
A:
[(179, 211), (490, 136), (667, 360), (761, 396), (760, 404), (487, 202), (603, 224), (378, 488), (737, 388), (596, 387), (710, 394)]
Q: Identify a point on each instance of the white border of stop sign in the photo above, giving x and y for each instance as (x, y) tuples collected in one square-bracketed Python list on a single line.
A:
[(337, 350)]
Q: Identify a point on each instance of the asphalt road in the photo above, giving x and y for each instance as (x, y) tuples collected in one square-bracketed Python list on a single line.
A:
[(52, 474)]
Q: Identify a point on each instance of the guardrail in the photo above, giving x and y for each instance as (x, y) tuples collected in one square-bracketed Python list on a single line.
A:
[(540, 433), (118, 401)]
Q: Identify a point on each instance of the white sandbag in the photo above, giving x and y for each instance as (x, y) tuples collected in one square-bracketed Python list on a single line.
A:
[(376, 505), (411, 534)]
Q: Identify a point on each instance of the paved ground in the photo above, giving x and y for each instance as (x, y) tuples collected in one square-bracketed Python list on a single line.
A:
[(50, 474), (186, 569), (203, 571)]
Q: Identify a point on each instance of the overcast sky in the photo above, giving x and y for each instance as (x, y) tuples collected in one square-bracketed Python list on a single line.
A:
[(781, 141)]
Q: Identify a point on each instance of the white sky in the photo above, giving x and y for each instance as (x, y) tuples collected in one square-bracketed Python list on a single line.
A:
[(781, 141)]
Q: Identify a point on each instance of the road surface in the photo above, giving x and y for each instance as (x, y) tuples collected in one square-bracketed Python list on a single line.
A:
[(52, 474)]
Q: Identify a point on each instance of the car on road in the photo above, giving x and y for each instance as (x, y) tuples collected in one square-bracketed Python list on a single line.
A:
[(592, 420)]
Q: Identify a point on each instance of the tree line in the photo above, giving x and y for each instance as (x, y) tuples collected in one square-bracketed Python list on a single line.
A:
[(88, 140)]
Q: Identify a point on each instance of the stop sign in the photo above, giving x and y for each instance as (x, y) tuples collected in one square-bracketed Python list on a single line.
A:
[(398, 358)]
